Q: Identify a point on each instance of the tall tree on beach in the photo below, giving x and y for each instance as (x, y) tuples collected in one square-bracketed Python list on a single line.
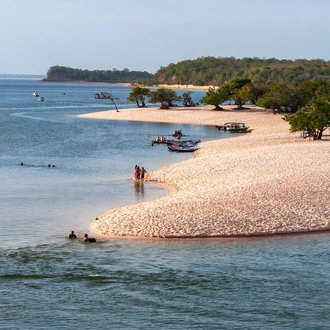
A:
[(187, 101), (313, 118), (166, 97), (216, 96), (112, 99), (138, 94), (240, 91)]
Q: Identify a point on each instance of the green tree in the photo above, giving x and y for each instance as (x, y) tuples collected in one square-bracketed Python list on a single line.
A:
[(241, 91), (138, 94), (215, 96), (187, 101), (314, 118), (291, 96), (166, 97), (112, 99)]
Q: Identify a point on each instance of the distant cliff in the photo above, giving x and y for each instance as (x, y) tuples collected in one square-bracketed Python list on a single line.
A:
[(62, 73)]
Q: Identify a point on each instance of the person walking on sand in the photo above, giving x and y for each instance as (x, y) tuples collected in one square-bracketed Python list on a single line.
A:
[(143, 171)]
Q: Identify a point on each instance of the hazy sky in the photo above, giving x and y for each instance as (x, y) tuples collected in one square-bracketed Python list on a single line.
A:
[(144, 35)]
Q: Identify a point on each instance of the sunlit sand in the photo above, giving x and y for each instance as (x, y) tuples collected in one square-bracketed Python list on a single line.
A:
[(269, 181)]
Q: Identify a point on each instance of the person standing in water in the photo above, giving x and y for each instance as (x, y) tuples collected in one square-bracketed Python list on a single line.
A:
[(137, 173), (72, 235), (142, 173)]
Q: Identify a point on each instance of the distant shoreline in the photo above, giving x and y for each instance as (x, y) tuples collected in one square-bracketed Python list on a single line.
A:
[(175, 86)]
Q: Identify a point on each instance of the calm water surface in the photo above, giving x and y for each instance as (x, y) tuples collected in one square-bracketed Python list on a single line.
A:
[(50, 282)]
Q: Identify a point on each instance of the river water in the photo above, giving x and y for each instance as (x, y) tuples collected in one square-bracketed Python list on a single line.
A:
[(48, 281)]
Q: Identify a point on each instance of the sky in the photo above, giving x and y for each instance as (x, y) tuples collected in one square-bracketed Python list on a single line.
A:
[(145, 35)]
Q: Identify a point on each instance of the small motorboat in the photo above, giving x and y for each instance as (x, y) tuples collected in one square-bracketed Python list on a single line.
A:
[(41, 99), (178, 134), (187, 146), (175, 142), (36, 94), (236, 127), (161, 140), (183, 148)]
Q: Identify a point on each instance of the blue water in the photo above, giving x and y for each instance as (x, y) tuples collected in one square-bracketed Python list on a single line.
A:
[(50, 282)]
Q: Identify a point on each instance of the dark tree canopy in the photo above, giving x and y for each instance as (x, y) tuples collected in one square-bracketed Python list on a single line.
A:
[(61, 73), (314, 118), (187, 101), (139, 94), (216, 71), (216, 96), (166, 97)]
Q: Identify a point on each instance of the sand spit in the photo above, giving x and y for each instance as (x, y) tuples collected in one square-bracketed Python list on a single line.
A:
[(269, 181)]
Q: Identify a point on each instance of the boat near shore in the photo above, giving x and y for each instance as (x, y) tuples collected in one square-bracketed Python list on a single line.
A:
[(183, 146), (234, 127)]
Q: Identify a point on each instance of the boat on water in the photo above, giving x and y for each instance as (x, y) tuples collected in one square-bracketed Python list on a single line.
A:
[(102, 95), (236, 127), (36, 94), (175, 142), (241, 131), (160, 140), (41, 99), (178, 134), (183, 146)]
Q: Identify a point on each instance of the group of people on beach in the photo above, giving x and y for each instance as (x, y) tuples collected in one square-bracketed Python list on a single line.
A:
[(139, 173)]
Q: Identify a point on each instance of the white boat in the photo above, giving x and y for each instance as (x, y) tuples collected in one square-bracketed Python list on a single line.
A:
[(236, 127), (188, 146), (36, 94), (183, 148), (41, 99)]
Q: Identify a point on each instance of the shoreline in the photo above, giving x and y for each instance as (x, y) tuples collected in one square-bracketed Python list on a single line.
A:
[(267, 182)]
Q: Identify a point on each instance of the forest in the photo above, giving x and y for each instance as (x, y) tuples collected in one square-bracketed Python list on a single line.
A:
[(62, 73), (212, 71), (205, 71)]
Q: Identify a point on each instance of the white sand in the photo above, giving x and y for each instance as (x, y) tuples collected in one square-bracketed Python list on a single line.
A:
[(264, 182)]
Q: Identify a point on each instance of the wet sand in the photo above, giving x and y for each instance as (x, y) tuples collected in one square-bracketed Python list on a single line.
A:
[(269, 181)]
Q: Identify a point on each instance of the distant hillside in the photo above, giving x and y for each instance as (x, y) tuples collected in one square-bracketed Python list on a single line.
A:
[(207, 71), (61, 73)]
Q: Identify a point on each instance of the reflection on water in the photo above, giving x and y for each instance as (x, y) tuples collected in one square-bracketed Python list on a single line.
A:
[(139, 190)]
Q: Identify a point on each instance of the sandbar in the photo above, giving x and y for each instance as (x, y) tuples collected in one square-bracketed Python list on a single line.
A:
[(266, 182)]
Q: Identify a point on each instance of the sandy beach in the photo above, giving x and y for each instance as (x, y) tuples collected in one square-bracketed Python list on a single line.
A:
[(269, 181)]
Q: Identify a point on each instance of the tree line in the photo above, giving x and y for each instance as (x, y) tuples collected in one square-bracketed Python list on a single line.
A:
[(62, 73), (306, 103), (215, 71), (205, 71)]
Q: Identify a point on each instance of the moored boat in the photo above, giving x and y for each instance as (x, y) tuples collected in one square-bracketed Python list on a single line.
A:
[(187, 146), (235, 127), (183, 148), (161, 140), (178, 134), (174, 142), (241, 131)]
